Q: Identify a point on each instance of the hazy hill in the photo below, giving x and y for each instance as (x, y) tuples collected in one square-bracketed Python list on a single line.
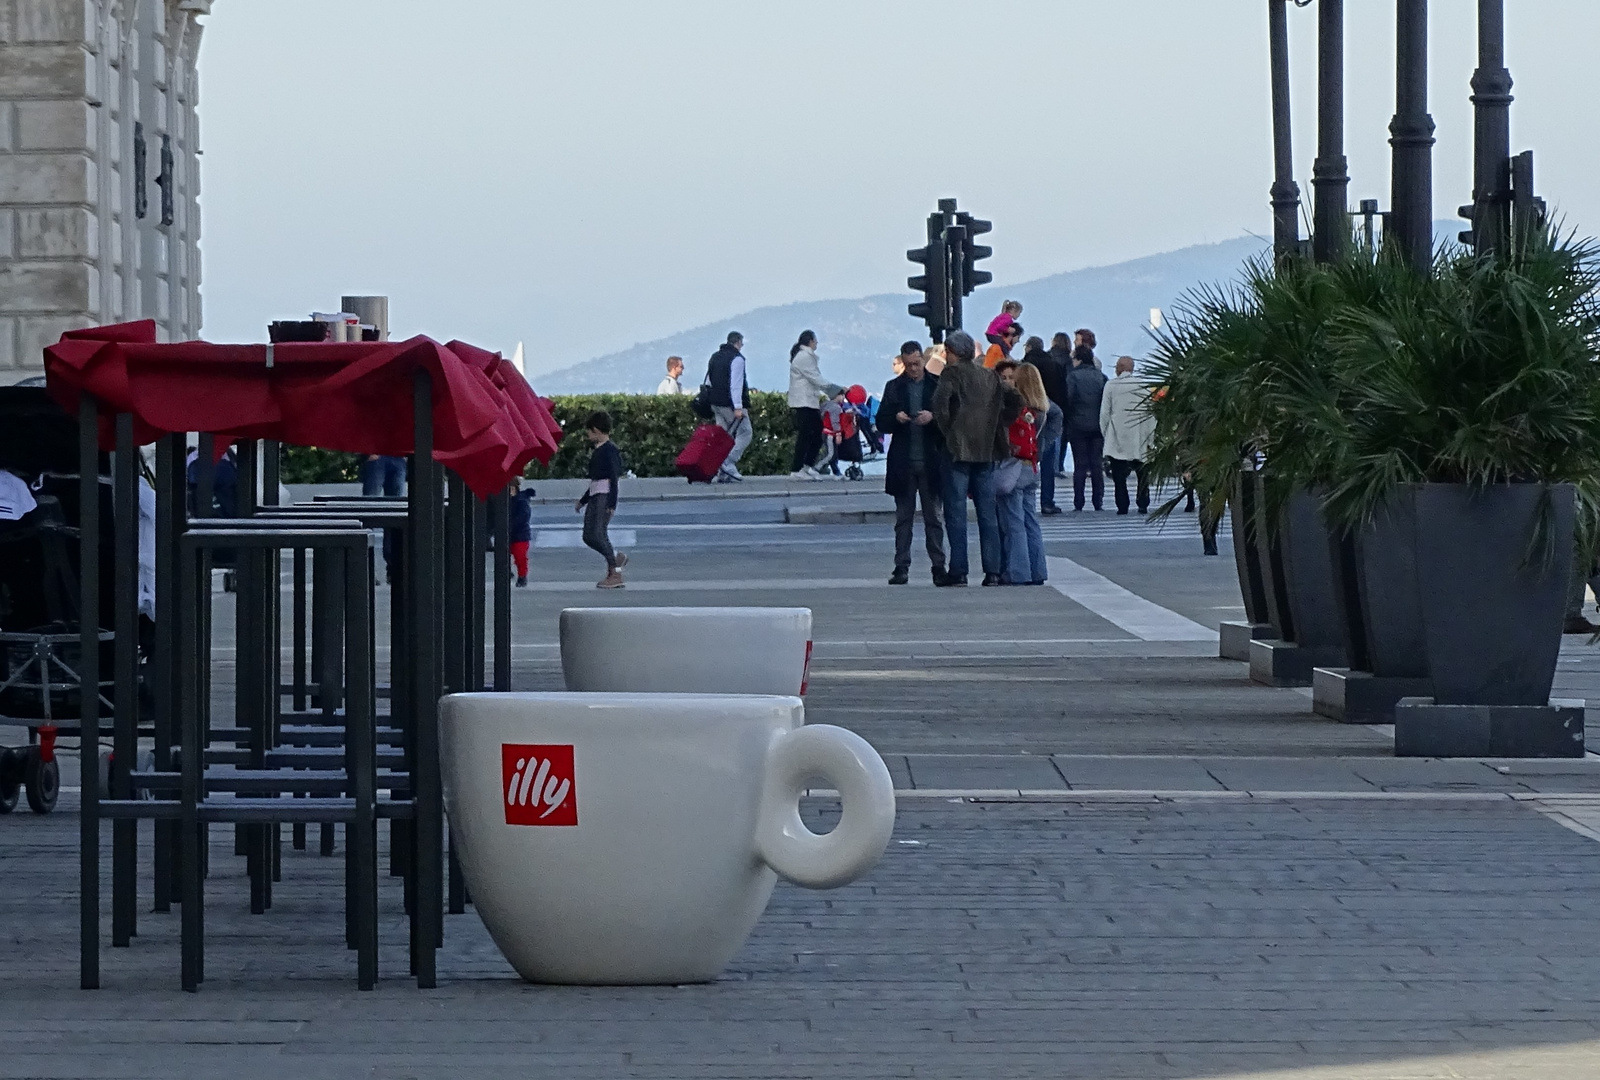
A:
[(857, 337)]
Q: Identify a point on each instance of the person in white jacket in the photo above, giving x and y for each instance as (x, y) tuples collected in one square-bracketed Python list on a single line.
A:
[(1128, 428), (807, 388)]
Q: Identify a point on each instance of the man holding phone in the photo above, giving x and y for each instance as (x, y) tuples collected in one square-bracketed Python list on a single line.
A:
[(915, 468)]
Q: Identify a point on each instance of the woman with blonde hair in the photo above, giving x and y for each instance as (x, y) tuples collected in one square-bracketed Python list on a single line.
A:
[(1017, 482), (1030, 384)]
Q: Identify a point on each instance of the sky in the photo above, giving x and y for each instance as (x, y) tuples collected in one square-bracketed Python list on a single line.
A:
[(585, 176)]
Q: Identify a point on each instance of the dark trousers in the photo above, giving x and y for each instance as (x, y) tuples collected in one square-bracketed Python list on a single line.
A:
[(924, 485), (596, 516), (807, 437), (386, 476), (1087, 449), (1119, 483)]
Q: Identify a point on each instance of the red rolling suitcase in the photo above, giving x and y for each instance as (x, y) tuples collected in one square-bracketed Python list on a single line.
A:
[(708, 448)]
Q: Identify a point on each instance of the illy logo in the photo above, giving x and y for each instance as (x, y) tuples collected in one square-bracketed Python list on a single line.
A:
[(805, 673), (540, 784)]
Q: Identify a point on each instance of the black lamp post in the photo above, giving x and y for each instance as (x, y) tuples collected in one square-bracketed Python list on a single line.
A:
[(1411, 139), (1285, 192), (1330, 177), (1491, 106)]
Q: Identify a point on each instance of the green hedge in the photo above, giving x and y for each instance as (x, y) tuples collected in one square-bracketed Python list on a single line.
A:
[(649, 430), (311, 465)]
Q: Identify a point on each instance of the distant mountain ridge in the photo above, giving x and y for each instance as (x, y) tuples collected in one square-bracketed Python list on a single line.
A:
[(858, 337)]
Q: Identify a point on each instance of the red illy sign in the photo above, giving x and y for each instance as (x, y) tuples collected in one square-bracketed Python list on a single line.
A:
[(540, 783)]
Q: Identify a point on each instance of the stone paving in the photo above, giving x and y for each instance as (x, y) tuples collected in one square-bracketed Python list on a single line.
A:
[(1114, 858), (1179, 938)]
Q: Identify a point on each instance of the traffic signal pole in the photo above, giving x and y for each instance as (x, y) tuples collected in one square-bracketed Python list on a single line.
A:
[(949, 263)]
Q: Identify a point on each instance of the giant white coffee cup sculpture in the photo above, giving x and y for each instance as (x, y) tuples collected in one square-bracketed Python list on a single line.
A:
[(686, 650), (635, 838)]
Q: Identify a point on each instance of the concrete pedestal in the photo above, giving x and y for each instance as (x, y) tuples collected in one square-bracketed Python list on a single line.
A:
[(1424, 729), (1360, 697), (1235, 638), (1283, 663)]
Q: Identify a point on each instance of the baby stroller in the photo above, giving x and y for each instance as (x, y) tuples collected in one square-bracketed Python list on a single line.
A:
[(842, 433)]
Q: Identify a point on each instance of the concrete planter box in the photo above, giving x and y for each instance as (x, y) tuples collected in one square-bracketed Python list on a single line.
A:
[(1388, 585), (1305, 599), (1492, 608), (1375, 571), (1247, 552), (1235, 638)]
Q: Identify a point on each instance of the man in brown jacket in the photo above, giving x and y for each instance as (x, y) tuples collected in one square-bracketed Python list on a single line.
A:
[(972, 408)]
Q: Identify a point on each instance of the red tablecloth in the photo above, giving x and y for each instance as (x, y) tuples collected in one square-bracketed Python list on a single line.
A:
[(487, 422)]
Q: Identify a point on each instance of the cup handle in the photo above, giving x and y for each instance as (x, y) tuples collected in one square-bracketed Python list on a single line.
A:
[(847, 762)]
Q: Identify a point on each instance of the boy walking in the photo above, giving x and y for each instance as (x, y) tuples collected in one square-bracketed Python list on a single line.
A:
[(599, 502)]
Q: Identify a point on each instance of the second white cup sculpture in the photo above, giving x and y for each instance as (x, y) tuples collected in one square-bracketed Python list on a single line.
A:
[(636, 838), (686, 650)]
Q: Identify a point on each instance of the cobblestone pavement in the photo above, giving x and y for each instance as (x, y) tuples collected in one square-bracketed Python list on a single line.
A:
[(1115, 857), (1067, 939)]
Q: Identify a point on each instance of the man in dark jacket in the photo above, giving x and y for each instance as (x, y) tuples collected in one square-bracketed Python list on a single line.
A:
[(915, 468), (730, 402), (973, 408), (1086, 385), (1061, 353)]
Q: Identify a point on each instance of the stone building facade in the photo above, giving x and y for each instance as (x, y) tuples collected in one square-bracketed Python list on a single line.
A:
[(99, 170)]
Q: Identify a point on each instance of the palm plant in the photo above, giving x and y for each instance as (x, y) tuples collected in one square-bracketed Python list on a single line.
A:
[(1356, 377), (1242, 374), (1484, 374)]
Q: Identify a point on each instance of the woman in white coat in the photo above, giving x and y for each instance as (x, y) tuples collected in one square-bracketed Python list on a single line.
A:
[(807, 388)]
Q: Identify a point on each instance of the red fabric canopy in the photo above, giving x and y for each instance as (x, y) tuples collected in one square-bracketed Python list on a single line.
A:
[(487, 422)]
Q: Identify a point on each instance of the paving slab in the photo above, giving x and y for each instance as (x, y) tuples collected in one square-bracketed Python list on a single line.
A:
[(961, 771), (1280, 774), (1136, 773), (1422, 774)]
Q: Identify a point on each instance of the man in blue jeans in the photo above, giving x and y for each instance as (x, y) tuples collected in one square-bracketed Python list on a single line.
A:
[(383, 474), (973, 408)]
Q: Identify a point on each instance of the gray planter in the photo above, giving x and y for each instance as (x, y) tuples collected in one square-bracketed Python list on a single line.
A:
[(1390, 595), (1304, 601), (1375, 578), (1236, 639), (1313, 599), (1345, 557), (1247, 553), (1492, 608)]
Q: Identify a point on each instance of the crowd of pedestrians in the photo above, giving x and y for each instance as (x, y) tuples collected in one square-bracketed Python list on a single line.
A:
[(993, 430), (990, 428)]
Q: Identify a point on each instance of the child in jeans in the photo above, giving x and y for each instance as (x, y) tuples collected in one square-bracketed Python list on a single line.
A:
[(599, 502), (521, 529), (833, 423)]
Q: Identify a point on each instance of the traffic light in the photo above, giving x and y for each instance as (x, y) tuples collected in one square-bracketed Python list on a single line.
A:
[(1469, 237), (934, 281), (971, 252)]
